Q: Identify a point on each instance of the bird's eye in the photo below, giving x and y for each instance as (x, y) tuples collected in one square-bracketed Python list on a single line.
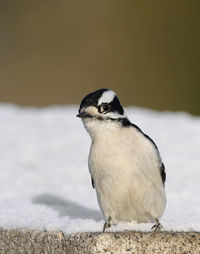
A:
[(104, 108)]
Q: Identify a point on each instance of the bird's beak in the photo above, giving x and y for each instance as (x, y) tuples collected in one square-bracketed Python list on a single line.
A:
[(79, 115)]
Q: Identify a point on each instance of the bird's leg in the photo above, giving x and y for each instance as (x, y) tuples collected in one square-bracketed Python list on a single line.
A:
[(107, 224), (157, 227)]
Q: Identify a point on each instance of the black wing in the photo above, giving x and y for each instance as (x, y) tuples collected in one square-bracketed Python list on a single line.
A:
[(163, 173), (92, 182)]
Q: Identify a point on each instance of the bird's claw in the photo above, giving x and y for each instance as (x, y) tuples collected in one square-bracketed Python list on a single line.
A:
[(107, 224), (157, 227)]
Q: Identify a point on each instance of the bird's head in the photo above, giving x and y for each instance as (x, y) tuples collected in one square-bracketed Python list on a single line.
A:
[(99, 108)]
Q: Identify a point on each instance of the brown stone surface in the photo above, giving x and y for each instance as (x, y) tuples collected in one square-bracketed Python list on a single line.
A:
[(18, 241)]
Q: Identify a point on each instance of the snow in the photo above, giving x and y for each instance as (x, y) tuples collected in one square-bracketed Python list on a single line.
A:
[(44, 178)]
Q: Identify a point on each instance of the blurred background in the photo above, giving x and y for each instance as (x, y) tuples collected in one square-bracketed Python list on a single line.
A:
[(55, 52)]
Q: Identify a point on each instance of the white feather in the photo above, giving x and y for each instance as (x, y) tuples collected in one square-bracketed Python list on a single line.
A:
[(106, 97), (125, 168)]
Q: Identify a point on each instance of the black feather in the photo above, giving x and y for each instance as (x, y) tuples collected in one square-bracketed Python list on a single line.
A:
[(163, 173), (92, 182), (92, 98)]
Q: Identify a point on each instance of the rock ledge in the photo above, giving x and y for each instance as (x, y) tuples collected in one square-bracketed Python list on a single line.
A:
[(31, 241)]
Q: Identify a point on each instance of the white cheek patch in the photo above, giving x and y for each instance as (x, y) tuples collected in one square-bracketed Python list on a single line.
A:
[(106, 97)]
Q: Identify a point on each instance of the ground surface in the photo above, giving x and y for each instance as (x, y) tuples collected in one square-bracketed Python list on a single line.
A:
[(16, 241), (44, 179)]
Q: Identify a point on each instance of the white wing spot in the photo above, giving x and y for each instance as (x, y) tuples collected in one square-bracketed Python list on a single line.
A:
[(106, 97)]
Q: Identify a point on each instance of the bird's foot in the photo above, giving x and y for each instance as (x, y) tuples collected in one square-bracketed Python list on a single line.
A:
[(107, 224), (157, 227)]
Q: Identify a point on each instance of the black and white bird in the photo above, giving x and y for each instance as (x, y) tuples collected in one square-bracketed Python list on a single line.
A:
[(125, 165)]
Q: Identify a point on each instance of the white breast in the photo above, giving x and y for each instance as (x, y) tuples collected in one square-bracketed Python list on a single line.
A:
[(125, 168)]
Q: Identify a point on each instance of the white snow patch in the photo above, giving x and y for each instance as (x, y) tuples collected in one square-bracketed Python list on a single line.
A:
[(44, 178)]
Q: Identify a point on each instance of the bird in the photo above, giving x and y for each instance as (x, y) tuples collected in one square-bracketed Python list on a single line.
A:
[(124, 163)]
